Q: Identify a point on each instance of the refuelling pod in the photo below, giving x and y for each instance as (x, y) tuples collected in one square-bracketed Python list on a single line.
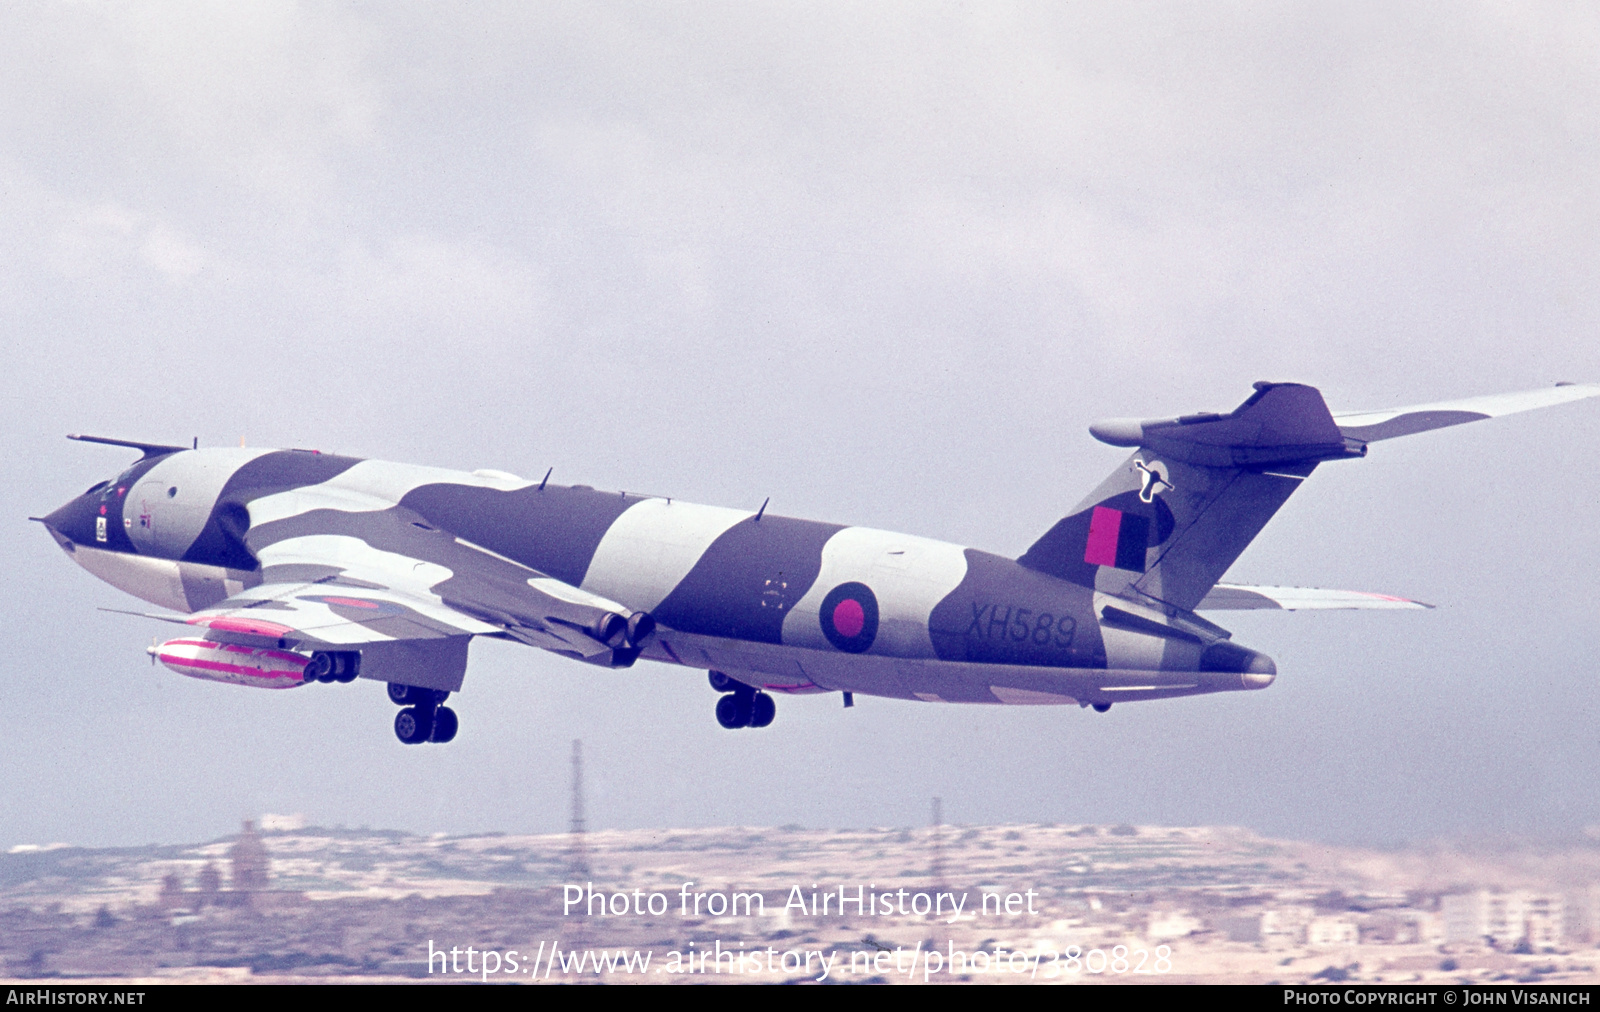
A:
[(263, 667)]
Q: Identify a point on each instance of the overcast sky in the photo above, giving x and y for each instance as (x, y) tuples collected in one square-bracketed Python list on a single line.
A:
[(883, 263)]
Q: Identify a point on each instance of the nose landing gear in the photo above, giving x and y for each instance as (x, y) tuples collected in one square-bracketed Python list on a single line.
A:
[(743, 705), (423, 719)]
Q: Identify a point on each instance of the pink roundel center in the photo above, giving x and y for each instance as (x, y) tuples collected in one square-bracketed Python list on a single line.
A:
[(848, 618)]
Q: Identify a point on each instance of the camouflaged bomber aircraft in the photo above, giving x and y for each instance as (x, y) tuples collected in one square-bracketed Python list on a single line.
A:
[(296, 566)]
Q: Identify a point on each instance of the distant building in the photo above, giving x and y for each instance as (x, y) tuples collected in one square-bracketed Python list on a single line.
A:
[(1544, 915), (172, 896), (248, 858), (210, 883), (1504, 919), (1284, 926), (1172, 925), (1401, 927), (1430, 928), (283, 823), (1238, 927), (1582, 914), (1331, 932)]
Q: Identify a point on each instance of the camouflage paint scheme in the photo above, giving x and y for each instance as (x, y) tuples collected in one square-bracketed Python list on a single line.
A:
[(293, 553)]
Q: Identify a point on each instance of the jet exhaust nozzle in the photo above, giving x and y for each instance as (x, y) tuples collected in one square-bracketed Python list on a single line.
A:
[(640, 625), (609, 628)]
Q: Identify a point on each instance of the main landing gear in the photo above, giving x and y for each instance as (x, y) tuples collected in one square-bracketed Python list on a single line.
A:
[(743, 705), (423, 718)]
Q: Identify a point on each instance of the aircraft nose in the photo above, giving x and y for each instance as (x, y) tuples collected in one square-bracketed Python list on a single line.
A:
[(75, 521)]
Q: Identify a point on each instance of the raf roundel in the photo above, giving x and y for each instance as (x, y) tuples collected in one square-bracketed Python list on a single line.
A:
[(850, 617), (356, 605)]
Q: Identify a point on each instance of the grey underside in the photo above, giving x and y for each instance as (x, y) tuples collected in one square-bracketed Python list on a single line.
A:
[(794, 669), (1222, 598), (431, 664), (1410, 424)]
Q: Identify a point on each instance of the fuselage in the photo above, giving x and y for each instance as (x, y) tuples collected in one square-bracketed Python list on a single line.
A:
[(172, 530)]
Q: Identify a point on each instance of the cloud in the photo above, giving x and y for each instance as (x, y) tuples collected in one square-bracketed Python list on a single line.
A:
[(257, 96), (107, 241), (171, 254), (422, 284)]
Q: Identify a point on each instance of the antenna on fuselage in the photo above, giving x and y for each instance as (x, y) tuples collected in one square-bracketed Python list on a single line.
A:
[(762, 511), (546, 477), (196, 445)]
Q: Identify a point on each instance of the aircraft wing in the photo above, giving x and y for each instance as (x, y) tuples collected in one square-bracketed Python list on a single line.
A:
[(1236, 597), (1371, 426), (335, 577), (335, 612)]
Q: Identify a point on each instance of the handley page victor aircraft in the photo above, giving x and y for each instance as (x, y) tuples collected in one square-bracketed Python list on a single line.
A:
[(296, 566)]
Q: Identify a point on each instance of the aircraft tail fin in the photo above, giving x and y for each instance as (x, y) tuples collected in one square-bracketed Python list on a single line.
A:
[(1170, 521)]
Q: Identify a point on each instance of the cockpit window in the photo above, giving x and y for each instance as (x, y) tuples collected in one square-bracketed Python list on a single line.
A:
[(119, 485), (92, 489)]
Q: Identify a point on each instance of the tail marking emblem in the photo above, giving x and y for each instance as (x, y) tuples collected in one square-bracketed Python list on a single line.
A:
[(1155, 480)]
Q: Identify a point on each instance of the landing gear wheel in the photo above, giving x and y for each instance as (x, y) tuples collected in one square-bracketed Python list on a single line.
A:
[(733, 711), (319, 668), (401, 694), (721, 682), (413, 725), (444, 725), (762, 710), (346, 667), (1101, 707)]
